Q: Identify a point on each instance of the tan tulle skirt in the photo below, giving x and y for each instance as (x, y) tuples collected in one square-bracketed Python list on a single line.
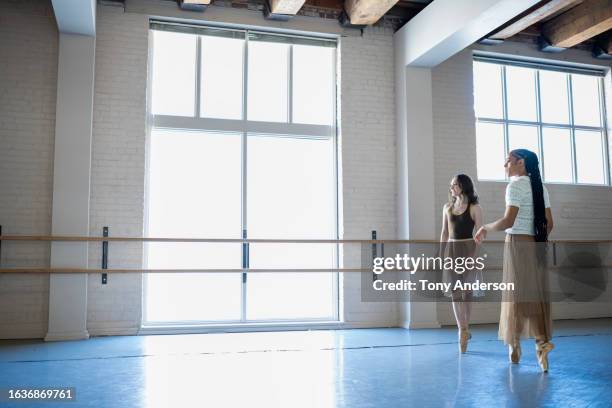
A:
[(465, 248), (525, 311)]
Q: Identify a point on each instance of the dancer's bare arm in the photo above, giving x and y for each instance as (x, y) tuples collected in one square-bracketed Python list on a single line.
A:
[(549, 220), (444, 232), (501, 224), (476, 213)]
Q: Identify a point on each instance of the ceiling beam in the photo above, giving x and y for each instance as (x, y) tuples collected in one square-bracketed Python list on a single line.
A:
[(588, 19), (446, 27), (75, 16), (533, 16), (286, 6), (366, 12), (193, 5)]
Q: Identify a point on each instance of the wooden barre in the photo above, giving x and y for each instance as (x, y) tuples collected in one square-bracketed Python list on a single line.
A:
[(67, 238), (286, 270), (213, 240), (140, 270)]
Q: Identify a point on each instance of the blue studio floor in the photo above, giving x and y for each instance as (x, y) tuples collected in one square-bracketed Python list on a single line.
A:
[(340, 368)]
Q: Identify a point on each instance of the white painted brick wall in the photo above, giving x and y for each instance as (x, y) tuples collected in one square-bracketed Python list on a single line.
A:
[(117, 177), (118, 159), (118, 167), (580, 212), (28, 82), (368, 159)]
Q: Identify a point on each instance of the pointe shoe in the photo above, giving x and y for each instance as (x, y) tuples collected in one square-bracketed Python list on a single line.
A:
[(514, 352), (542, 350), (464, 336)]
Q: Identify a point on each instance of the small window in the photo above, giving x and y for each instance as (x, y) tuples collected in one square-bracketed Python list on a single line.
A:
[(221, 88), (490, 142), (589, 157), (520, 88), (173, 94), (268, 81), (488, 90), (558, 146), (556, 112), (553, 97)]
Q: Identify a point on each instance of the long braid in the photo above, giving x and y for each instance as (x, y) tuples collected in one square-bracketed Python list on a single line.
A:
[(540, 223), (537, 192)]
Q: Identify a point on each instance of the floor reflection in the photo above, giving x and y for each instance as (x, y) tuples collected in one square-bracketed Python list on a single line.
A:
[(346, 368)]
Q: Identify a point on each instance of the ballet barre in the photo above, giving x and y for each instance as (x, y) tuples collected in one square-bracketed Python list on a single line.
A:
[(70, 238), (105, 239)]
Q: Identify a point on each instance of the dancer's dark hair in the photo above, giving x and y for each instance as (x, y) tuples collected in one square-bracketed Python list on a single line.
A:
[(537, 191), (467, 188)]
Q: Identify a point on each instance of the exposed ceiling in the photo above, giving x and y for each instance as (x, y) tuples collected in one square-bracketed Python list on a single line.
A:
[(554, 25), (560, 24)]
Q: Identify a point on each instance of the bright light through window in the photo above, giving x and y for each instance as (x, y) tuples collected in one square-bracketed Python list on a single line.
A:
[(558, 145), (268, 81), (173, 74), (271, 174), (314, 85), (222, 61), (291, 204), (554, 113)]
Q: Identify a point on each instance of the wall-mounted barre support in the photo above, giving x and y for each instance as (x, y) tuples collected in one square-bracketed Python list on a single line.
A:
[(245, 256), (104, 255), (374, 254)]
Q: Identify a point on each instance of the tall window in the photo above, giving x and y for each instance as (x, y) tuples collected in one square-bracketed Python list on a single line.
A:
[(555, 112), (242, 145)]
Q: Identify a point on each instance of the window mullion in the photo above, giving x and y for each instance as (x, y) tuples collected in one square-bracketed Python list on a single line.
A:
[(505, 113), (198, 76), (539, 120), (245, 83), (290, 85), (570, 101), (604, 131)]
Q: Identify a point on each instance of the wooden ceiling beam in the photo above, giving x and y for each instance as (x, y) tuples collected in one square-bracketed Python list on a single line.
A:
[(286, 6), (193, 5), (366, 12), (588, 19), (534, 16)]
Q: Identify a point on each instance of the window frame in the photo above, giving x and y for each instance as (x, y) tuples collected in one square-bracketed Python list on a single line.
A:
[(246, 127), (571, 126)]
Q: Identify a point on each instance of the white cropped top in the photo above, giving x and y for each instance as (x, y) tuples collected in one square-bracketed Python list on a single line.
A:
[(518, 194)]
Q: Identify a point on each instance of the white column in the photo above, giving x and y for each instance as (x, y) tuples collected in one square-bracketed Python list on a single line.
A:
[(415, 210), (71, 177)]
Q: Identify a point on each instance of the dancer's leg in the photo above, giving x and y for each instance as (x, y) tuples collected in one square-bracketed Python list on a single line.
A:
[(467, 307), (462, 308), (458, 311)]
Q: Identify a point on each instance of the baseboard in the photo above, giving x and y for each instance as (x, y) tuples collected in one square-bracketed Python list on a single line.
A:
[(240, 328), (22, 334), (113, 331), (63, 336), (420, 325)]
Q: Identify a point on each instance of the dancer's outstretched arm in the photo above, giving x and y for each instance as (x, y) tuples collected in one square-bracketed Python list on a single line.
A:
[(501, 224)]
